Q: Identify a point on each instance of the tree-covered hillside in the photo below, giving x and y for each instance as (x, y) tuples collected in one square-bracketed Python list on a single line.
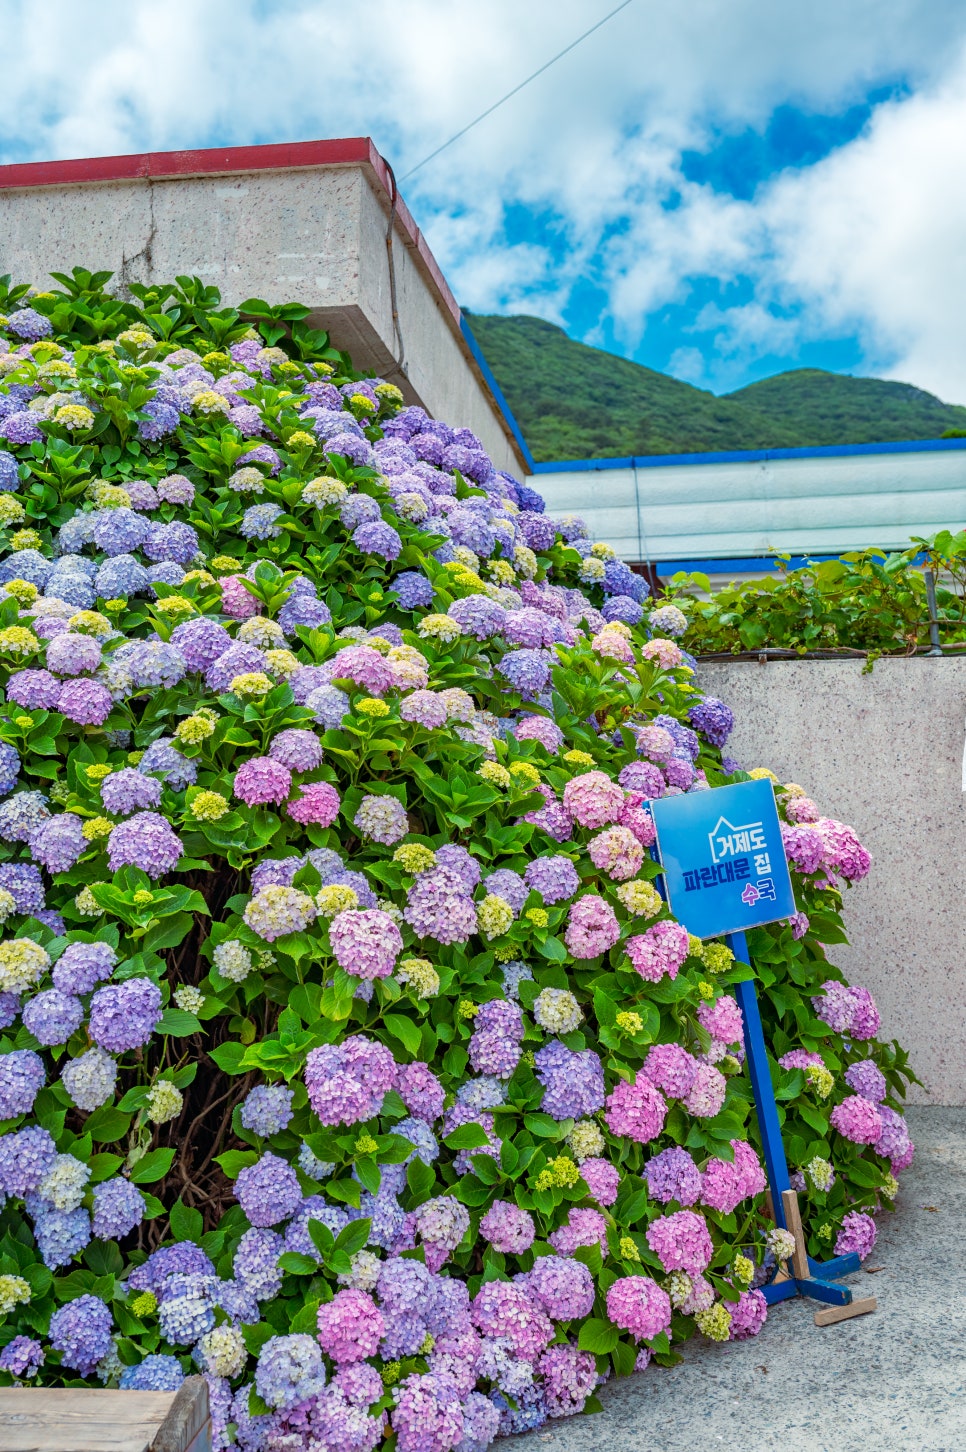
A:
[(576, 402)]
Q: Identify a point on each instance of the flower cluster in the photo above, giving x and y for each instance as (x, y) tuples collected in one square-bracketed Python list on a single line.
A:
[(325, 783)]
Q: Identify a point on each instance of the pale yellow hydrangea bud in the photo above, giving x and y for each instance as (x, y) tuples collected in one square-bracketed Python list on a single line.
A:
[(164, 1102)]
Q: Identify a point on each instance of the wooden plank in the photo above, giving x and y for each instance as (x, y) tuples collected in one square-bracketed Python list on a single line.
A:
[(831, 1314), (54, 1419), (793, 1220), (187, 1427)]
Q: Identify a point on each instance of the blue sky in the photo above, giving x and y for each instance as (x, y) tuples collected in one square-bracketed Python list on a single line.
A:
[(719, 191)]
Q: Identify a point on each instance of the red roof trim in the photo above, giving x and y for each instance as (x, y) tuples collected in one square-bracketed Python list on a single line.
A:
[(223, 161), (160, 164)]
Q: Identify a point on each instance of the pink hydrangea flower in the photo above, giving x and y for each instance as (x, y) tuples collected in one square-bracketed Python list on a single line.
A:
[(366, 942), (347, 1082), (364, 666), (262, 780), (748, 1314), (801, 809), (850, 1011), (636, 1111), (638, 1305), (857, 1235), (592, 927), (637, 818), (614, 646), (670, 1068), (681, 1241), (425, 708), (582, 1227), (857, 1119), (593, 800), (655, 743), (707, 1093), (569, 1376), (722, 1019), (727, 1183), (665, 652), (804, 847), (844, 853), (659, 951), (602, 1180), (318, 804), (350, 1326), (427, 1417), (504, 1308), (508, 1228), (236, 600), (801, 1059), (616, 852)]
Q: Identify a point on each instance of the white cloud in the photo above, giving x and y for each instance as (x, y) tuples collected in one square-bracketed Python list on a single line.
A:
[(868, 239), (872, 238)]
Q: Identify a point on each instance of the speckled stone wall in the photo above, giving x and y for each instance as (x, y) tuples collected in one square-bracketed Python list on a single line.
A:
[(884, 752)]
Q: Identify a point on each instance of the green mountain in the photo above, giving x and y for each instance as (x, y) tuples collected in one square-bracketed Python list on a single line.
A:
[(576, 402)]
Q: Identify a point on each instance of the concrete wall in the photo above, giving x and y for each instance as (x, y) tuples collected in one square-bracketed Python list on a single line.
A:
[(808, 501), (265, 222), (883, 752)]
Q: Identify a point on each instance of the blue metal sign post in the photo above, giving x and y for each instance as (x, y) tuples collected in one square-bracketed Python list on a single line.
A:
[(725, 870)]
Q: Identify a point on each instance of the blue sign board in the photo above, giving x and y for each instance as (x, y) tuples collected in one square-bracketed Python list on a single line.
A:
[(723, 858)]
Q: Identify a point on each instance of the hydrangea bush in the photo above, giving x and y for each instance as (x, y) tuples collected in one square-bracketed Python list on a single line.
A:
[(350, 1055)]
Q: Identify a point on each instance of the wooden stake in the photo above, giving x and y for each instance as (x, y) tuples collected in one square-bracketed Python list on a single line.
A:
[(831, 1314), (793, 1220)]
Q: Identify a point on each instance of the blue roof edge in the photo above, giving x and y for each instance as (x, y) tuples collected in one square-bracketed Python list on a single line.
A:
[(497, 392), (749, 456)]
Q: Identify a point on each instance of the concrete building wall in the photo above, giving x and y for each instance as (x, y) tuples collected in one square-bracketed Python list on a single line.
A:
[(305, 223), (883, 752), (807, 501)]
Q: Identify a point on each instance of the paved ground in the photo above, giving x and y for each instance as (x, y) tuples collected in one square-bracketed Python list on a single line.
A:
[(893, 1381)]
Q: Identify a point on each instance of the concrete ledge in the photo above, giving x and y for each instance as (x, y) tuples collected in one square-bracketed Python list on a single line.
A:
[(883, 752)]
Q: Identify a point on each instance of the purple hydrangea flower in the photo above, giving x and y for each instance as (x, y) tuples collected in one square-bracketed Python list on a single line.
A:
[(268, 1191), (573, 1081), (267, 1109), (128, 790), (30, 325), (377, 538), (554, 877), (154, 1373), (124, 1015), (25, 1159), (201, 641), (174, 541), (58, 842), (119, 531), (414, 589), (34, 689), (22, 1076), (81, 1332), (713, 718), (528, 671), (82, 966), (867, 1079), (22, 1357), (120, 578), (23, 882), (164, 758), (52, 1016), (118, 1209), (145, 841)]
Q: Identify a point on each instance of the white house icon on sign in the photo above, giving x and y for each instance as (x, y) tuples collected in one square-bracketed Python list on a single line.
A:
[(726, 840)]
